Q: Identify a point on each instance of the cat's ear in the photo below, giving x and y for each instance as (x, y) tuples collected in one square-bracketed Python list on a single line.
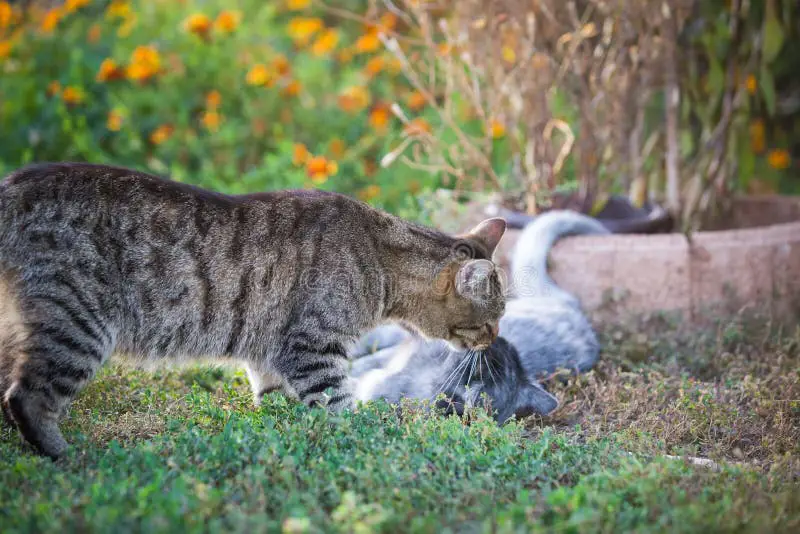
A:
[(489, 233), (474, 279), (534, 399)]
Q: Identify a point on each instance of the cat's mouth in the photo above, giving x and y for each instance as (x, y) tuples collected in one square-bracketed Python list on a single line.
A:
[(478, 339)]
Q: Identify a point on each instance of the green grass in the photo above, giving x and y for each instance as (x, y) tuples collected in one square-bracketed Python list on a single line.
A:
[(183, 450)]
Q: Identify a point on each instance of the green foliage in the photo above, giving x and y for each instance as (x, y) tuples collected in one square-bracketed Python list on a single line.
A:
[(58, 105)]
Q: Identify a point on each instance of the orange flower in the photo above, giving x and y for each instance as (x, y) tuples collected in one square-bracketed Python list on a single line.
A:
[(198, 24), (354, 99), (368, 193), (94, 33), (109, 70), (540, 61), (119, 9), (297, 5), (414, 187), (416, 101), (72, 95), (213, 99), (337, 148), (281, 65), (211, 120), (53, 88), (326, 42), (161, 134), (369, 42), (417, 127), (345, 55), (757, 136), (300, 29), (388, 22), (114, 120), (227, 21), (51, 20), (73, 5), (379, 117), (5, 49), (259, 75), (291, 89), (145, 63), (509, 55), (300, 154), (319, 168), (751, 84), (374, 66), (496, 129), (779, 159), (6, 14)]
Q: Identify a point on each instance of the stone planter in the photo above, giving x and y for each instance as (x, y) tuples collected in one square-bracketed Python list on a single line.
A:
[(753, 268)]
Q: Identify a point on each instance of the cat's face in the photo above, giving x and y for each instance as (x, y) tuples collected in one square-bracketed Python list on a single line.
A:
[(467, 299)]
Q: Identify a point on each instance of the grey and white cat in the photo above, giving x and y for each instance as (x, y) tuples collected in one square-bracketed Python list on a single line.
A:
[(542, 330)]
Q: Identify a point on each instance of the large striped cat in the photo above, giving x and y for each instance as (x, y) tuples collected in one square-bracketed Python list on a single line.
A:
[(97, 259)]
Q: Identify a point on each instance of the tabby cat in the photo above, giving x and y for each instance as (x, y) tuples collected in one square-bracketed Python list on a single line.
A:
[(543, 329), (96, 259)]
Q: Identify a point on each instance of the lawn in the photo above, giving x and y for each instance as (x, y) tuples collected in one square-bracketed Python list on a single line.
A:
[(183, 450)]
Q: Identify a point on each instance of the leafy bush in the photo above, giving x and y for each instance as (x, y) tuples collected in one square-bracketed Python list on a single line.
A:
[(268, 95)]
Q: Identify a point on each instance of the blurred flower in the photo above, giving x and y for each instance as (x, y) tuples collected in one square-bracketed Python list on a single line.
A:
[(114, 120), (300, 154), (297, 5), (213, 99), (325, 42), (145, 63), (50, 20), (118, 9), (414, 187), (416, 101), (72, 95), (509, 56), (291, 89), (779, 159), (496, 129), (394, 65), (5, 49), (73, 5), (388, 22), (300, 29), (757, 136), (319, 168), (374, 66), (53, 88), (370, 167), (751, 84), (127, 26), (444, 49), (259, 75), (369, 42), (109, 70), (161, 134), (417, 127), (198, 24), (94, 33), (228, 21), (379, 117), (354, 99), (286, 116), (337, 148), (368, 193), (281, 65), (211, 120), (6, 14), (345, 55)]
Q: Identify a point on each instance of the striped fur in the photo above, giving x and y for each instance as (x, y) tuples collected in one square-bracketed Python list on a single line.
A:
[(97, 259)]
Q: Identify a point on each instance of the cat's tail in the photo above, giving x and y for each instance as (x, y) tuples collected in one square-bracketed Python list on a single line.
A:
[(529, 260)]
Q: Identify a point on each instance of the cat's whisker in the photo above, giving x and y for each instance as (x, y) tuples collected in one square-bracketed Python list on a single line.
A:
[(489, 368), (452, 376)]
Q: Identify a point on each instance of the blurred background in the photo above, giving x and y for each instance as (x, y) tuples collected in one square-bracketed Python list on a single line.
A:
[(682, 103)]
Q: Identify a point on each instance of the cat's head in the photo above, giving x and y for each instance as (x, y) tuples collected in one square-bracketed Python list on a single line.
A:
[(468, 293), (496, 379)]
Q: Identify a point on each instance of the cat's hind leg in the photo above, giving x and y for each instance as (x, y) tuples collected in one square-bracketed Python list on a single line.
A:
[(63, 349)]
